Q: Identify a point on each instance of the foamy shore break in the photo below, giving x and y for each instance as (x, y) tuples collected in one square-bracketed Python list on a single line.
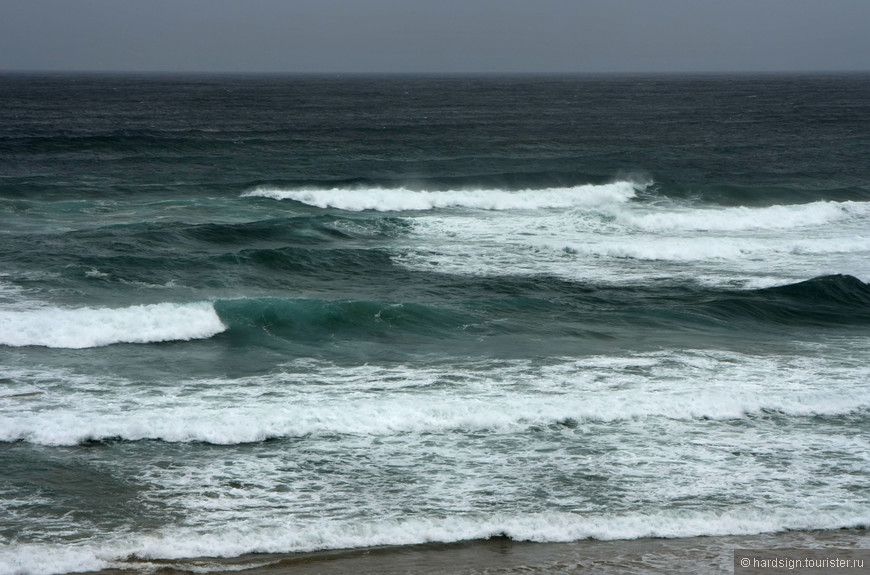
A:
[(682, 556)]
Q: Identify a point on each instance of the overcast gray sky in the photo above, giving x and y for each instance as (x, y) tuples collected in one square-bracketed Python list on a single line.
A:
[(490, 36)]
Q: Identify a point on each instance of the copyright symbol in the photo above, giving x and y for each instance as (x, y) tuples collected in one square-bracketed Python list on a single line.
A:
[(745, 562)]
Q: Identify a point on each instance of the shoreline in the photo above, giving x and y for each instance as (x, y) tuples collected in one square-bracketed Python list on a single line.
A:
[(691, 555)]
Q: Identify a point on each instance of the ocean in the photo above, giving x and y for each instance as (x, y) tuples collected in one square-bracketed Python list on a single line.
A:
[(253, 319)]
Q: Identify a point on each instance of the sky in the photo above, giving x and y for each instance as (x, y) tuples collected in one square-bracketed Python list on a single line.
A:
[(435, 36)]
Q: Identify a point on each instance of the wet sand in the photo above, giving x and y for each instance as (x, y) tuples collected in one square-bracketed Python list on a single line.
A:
[(696, 555)]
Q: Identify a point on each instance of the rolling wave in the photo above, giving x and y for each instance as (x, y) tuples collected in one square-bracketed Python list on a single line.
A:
[(311, 399), (828, 300), (232, 540), (94, 327), (308, 319), (271, 418), (417, 318), (403, 199)]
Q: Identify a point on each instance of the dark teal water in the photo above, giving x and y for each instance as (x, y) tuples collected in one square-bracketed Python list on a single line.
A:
[(272, 314)]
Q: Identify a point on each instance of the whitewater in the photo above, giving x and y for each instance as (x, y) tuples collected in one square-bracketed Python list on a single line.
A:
[(383, 321), (602, 414), (587, 233), (88, 327)]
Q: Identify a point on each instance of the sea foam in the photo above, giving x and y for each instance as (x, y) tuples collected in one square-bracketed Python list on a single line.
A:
[(93, 327), (240, 538), (745, 218), (596, 390), (402, 199), (228, 425)]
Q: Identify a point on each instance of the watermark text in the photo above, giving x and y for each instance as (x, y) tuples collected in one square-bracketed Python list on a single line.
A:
[(801, 561)]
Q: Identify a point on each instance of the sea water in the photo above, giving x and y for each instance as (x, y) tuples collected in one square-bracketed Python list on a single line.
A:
[(275, 314)]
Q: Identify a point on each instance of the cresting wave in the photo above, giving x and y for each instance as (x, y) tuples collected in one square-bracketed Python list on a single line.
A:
[(599, 391), (608, 199), (555, 527), (402, 199), (223, 425), (94, 327), (825, 300), (832, 300)]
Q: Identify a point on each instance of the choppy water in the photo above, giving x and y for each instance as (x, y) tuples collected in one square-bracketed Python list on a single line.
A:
[(260, 314)]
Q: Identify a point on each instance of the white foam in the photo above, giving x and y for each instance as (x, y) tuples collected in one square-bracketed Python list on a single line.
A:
[(95, 273), (593, 233), (402, 199), (706, 249), (92, 327), (41, 559), (14, 297), (276, 498), (226, 425), (541, 527), (243, 537), (8, 291), (353, 401), (745, 218), (615, 243)]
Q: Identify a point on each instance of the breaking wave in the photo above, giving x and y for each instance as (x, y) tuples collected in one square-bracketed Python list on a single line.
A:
[(746, 218), (266, 420), (402, 199), (376, 401), (94, 327), (233, 541)]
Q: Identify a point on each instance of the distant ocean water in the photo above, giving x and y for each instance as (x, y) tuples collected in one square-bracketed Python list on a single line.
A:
[(277, 314)]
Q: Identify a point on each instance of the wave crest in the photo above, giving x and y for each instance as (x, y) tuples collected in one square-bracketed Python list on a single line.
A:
[(181, 543), (95, 327), (403, 199)]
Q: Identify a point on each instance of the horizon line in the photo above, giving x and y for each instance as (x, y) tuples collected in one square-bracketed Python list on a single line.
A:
[(790, 72)]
